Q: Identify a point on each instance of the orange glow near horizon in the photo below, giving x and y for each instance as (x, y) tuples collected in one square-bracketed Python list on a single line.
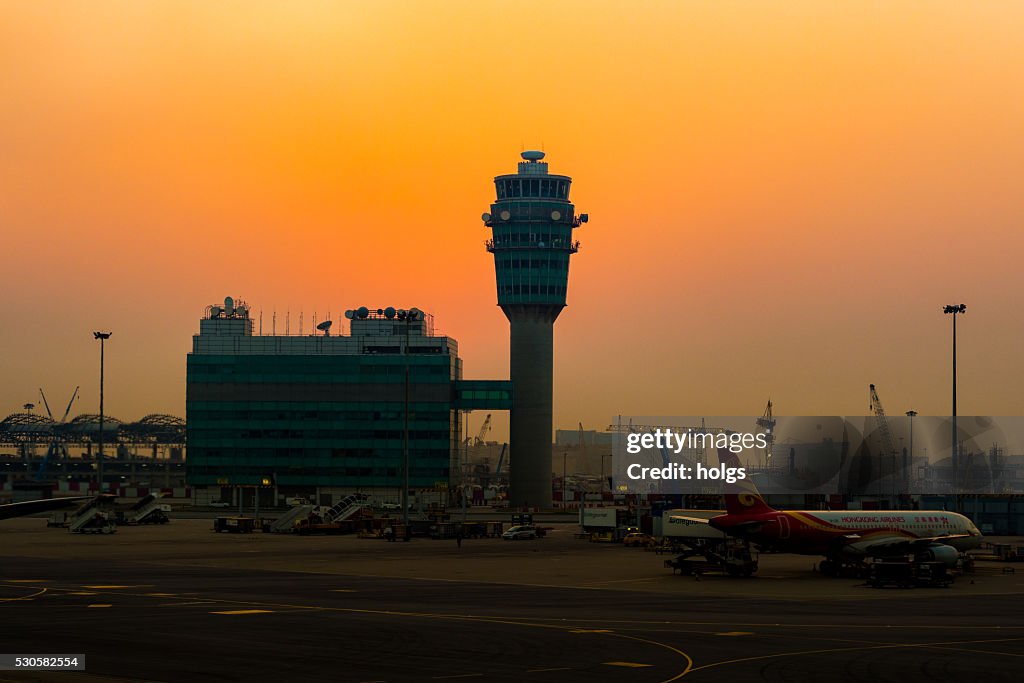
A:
[(782, 196)]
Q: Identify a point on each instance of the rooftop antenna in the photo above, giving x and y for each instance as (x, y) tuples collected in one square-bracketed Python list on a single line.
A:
[(287, 323), (300, 323), (273, 328), (261, 322)]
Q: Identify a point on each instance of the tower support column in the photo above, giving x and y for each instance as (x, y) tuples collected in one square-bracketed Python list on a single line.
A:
[(530, 362)]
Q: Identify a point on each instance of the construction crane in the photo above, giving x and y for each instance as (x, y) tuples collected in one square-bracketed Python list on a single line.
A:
[(767, 423), (478, 440), (56, 449), (888, 443), (484, 428)]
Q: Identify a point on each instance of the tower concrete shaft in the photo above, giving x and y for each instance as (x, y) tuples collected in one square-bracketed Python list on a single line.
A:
[(532, 223)]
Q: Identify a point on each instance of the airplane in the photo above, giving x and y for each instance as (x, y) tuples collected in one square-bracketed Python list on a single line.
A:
[(29, 507), (842, 536)]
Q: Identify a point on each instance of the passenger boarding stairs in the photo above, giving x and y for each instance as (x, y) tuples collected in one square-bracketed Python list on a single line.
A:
[(90, 518), (148, 505), (286, 523), (346, 507)]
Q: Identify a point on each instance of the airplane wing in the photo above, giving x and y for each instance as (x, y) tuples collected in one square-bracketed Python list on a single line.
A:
[(894, 544), (29, 507), (695, 520), (740, 529)]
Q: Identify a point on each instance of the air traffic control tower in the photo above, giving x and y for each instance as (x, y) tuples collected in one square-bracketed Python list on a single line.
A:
[(532, 223)]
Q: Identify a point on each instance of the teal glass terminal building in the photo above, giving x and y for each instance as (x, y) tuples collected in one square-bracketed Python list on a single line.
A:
[(322, 416)]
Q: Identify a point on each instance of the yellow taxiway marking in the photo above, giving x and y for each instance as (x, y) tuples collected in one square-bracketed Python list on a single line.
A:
[(631, 665), (160, 595), (25, 581), (512, 621), (591, 630), (245, 611), (890, 646), (735, 633), (101, 605), (83, 593), (29, 597)]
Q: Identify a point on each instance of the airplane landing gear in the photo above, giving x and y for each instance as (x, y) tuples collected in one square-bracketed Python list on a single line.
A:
[(829, 567)]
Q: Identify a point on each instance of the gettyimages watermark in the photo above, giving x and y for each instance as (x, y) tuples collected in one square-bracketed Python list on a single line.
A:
[(876, 456)]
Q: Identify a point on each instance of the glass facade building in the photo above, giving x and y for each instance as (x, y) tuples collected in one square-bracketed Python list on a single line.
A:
[(324, 415)]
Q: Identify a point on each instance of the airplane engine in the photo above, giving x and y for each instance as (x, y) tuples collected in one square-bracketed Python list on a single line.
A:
[(940, 553)]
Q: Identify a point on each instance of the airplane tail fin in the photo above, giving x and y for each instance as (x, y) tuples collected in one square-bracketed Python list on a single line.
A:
[(741, 497)]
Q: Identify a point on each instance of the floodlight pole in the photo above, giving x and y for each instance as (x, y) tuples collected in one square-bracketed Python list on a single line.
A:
[(955, 459), (908, 467), (103, 337), (409, 317), (565, 454)]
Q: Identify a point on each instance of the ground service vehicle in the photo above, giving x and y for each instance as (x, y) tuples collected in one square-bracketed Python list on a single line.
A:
[(637, 540), (518, 533)]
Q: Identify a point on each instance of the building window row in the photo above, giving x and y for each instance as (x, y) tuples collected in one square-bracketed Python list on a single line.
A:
[(510, 188), (547, 289), (488, 395), (311, 434), (198, 415), (555, 264)]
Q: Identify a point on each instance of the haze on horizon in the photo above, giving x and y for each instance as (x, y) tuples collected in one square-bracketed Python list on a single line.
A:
[(782, 196)]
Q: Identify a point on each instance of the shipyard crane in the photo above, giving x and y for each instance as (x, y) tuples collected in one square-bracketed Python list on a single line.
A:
[(888, 443)]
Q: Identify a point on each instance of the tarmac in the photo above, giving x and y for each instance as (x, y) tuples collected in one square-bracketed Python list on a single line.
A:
[(181, 603)]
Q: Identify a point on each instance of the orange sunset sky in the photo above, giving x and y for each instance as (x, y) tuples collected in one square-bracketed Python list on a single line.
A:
[(782, 195)]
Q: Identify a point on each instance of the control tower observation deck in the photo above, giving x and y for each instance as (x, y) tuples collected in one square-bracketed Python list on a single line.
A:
[(532, 222)]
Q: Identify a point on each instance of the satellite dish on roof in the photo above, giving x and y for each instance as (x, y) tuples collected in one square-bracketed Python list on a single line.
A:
[(556, 215), (485, 217), (349, 314), (505, 215), (362, 312), (229, 305), (389, 312), (533, 155), (214, 311), (415, 314), (325, 327)]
